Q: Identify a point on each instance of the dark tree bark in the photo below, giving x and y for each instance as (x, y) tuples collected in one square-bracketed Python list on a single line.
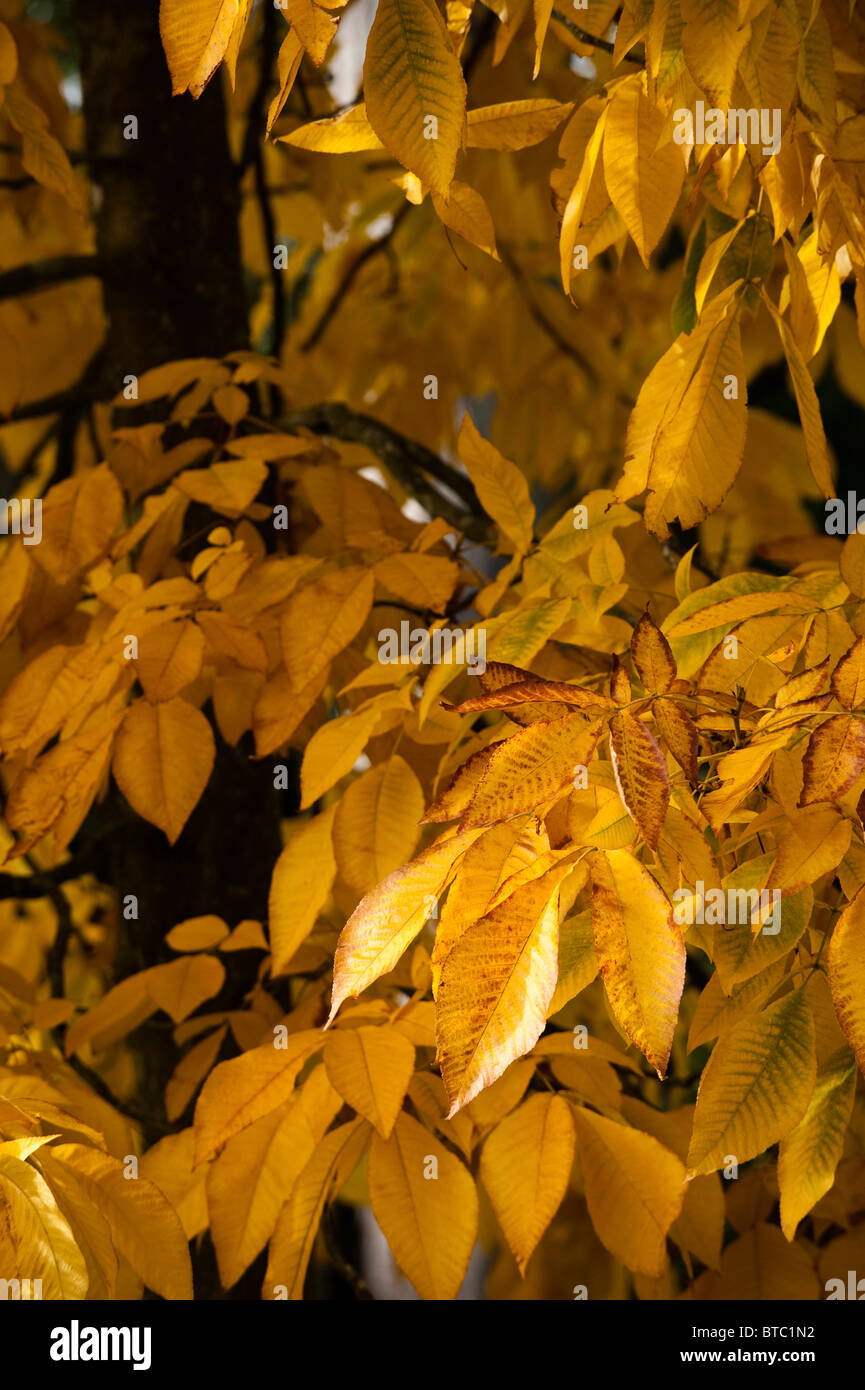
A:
[(168, 217), (167, 228)]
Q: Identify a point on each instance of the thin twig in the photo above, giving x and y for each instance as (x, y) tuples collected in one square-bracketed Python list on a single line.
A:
[(591, 39), (41, 275), (349, 276)]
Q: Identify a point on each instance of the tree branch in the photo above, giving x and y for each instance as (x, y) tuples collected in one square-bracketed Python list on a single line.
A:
[(584, 37), (348, 278), (28, 279), (405, 458)]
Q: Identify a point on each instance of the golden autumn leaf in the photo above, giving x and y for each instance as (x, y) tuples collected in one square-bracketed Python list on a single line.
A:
[(500, 485), (300, 886), (756, 1086), (182, 985), (79, 517), (375, 828), (425, 1201), (686, 434), (525, 1167), (388, 919), (531, 766), (653, 658), (846, 966), (297, 1226), (322, 619), (144, 1225), (834, 759), (346, 133), (809, 1154), (410, 78), (170, 657), (514, 125), (196, 37), (643, 175), (640, 952), (641, 774), (241, 1091), (247, 1184), (371, 1069), (34, 1234), (496, 984), (634, 1189), (163, 758)]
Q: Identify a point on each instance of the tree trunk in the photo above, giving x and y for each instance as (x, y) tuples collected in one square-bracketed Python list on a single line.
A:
[(168, 215), (167, 228)]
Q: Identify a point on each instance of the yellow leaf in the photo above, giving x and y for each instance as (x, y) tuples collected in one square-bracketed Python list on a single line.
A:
[(848, 678), (712, 42), (481, 871), (288, 63), (119, 1011), (808, 1157), (197, 934), (347, 133), (640, 951), (526, 1167), (238, 1092), (79, 517), (8, 56), (467, 214), (812, 844), (162, 761), (814, 294), (314, 27), (36, 1241), (653, 658), (686, 434), (297, 1227), (641, 774), (248, 1182), (496, 985), (42, 155), (514, 125), (168, 1164), (386, 921), (333, 751), (756, 1085), (415, 91), (761, 1267), (834, 759), (228, 488), (59, 789), (809, 406), (322, 619), (525, 770), (644, 178), (279, 709), (578, 962), (500, 486), (371, 1068), (425, 1201), (195, 38), (189, 1073), (144, 1226), (170, 657), (182, 985), (376, 825), (634, 1190), (847, 974), (301, 883)]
